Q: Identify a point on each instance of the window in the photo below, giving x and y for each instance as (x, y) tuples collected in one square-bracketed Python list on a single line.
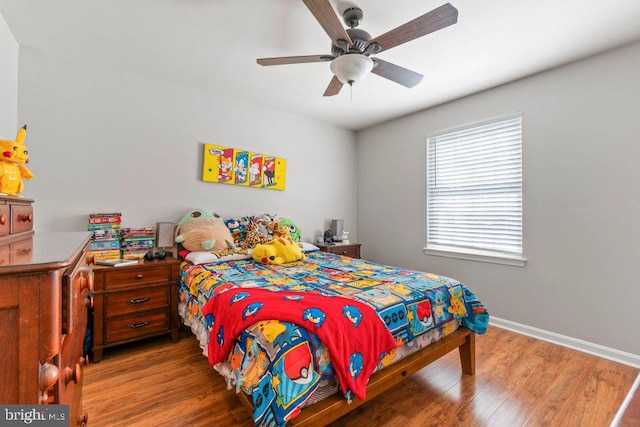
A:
[(474, 192)]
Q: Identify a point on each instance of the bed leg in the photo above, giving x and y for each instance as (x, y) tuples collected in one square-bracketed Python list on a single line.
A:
[(468, 354)]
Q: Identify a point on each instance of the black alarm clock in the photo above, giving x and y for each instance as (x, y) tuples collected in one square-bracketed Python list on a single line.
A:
[(328, 237)]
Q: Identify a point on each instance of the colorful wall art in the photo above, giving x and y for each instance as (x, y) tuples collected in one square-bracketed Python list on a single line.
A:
[(226, 165)]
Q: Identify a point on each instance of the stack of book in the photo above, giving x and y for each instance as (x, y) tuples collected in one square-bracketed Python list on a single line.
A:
[(136, 242), (106, 235)]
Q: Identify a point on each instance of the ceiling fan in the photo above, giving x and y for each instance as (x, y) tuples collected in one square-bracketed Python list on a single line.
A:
[(351, 48)]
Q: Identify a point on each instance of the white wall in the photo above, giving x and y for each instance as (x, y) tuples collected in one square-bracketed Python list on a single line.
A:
[(8, 82), (581, 196), (105, 138)]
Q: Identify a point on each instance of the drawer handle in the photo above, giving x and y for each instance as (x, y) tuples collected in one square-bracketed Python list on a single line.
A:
[(86, 279), (48, 376), (3, 219), (138, 300), (25, 218), (84, 360), (72, 374), (344, 252), (139, 276), (138, 325)]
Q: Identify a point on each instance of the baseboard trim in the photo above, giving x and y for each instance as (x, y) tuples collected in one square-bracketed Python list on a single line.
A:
[(625, 404), (625, 358)]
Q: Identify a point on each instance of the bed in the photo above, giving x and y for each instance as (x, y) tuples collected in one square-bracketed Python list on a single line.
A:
[(306, 342)]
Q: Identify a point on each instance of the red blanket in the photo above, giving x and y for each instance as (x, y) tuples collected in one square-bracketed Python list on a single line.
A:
[(352, 331)]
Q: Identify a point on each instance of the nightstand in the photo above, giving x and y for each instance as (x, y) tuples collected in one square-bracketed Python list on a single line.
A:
[(347, 249), (134, 302)]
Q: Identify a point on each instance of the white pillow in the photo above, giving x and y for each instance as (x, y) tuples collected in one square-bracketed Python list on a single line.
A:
[(308, 247), (207, 257)]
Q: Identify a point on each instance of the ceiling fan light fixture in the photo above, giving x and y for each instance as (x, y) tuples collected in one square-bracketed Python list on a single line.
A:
[(351, 68)]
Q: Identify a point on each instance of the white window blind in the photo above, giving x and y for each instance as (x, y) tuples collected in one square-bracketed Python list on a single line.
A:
[(474, 188)]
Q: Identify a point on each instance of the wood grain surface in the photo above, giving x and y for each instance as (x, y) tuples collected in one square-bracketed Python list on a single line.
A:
[(518, 381)]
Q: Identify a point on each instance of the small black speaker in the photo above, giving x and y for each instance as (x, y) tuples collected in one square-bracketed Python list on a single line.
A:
[(150, 256)]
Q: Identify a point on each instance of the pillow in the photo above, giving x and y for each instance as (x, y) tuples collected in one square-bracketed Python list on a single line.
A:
[(308, 247), (207, 257)]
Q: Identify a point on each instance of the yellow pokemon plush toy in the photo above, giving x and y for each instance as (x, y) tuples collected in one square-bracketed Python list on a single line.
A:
[(13, 155), (280, 250)]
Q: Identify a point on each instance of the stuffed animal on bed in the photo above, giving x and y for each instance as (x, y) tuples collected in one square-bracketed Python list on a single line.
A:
[(13, 156), (294, 231), (263, 221), (236, 228), (253, 237), (280, 250), (202, 229)]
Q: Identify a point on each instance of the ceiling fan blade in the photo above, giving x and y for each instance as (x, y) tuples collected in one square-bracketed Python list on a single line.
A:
[(327, 18), (334, 87), (435, 20), (294, 59), (396, 73)]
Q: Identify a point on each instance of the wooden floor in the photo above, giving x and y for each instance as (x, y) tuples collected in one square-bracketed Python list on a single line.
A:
[(629, 415), (519, 381)]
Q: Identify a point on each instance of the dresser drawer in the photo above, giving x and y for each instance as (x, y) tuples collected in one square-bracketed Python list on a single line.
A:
[(5, 220), (5, 255), (137, 300), (136, 276), (138, 324), (76, 284), (21, 219), (22, 251)]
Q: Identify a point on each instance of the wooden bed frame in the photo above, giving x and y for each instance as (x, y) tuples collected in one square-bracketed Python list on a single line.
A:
[(335, 406)]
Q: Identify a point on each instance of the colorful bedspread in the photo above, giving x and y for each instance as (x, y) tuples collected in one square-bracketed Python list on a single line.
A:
[(351, 330), (281, 363)]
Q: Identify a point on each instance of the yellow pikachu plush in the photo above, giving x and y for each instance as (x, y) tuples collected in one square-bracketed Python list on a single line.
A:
[(13, 155), (280, 250)]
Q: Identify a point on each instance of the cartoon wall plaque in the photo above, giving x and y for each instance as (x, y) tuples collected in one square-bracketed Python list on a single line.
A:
[(241, 167), (226, 165)]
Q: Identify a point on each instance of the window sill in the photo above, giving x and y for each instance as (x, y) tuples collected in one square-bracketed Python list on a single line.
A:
[(475, 255)]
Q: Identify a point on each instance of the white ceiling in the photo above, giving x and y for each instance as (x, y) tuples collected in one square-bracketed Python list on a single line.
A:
[(212, 45)]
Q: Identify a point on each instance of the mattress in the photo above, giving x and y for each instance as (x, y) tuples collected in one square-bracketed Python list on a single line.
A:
[(284, 365)]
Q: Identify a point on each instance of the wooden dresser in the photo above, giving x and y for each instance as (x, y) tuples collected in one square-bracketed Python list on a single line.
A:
[(44, 286), (135, 302)]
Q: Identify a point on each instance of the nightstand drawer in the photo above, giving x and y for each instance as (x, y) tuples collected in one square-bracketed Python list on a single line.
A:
[(134, 325), (134, 302), (350, 251), (347, 249), (137, 300), (137, 276)]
